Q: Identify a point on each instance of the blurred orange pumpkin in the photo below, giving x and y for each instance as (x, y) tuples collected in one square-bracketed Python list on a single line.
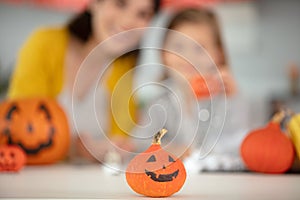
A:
[(155, 172), (12, 158), (268, 150), (205, 87), (38, 125)]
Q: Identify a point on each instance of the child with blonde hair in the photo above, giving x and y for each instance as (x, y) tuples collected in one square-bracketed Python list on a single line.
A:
[(201, 105)]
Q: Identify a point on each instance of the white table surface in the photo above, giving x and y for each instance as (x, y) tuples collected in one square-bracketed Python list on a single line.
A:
[(67, 181)]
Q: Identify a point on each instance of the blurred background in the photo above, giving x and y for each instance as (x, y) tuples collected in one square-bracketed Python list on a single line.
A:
[(261, 37)]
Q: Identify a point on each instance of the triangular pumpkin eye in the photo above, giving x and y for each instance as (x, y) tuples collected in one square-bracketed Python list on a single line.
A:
[(151, 159), (171, 159)]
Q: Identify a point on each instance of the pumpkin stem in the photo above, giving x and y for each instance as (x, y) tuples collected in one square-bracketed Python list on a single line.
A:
[(157, 137), (278, 117)]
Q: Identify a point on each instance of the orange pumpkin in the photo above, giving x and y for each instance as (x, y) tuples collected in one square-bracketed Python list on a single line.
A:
[(268, 150), (12, 158), (38, 125), (204, 87), (155, 172)]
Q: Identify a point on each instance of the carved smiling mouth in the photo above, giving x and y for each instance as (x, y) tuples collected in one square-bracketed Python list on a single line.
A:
[(8, 167), (162, 177), (32, 151)]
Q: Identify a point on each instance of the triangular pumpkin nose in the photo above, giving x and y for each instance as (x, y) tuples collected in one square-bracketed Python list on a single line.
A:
[(29, 128)]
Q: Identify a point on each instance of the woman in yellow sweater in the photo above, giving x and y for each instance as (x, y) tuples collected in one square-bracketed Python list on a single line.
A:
[(51, 58)]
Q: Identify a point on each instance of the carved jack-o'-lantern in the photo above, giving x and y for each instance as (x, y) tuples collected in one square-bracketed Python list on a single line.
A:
[(38, 125), (12, 158), (155, 172)]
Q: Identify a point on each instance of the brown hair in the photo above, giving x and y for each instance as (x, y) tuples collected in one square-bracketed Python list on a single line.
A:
[(200, 16)]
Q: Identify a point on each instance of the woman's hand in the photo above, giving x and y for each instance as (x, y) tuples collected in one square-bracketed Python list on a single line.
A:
[(123, 144)]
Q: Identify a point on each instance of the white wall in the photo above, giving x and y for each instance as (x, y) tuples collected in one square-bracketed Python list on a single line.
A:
[(17, 22), (262, 71)]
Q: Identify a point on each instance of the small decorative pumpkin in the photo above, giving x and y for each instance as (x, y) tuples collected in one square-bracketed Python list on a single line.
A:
[(12, 158), (38, 125), (155, 172), (294, 130), (268, 150), (204, 87)]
